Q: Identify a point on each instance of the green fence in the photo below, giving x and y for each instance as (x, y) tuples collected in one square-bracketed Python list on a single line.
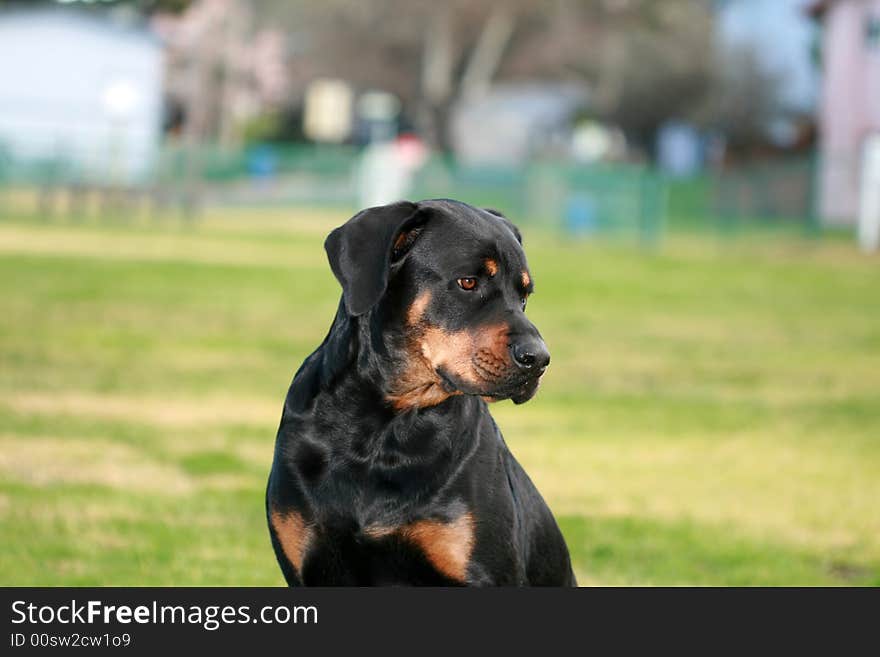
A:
[(581, 200), (623, 200), (774, 195)]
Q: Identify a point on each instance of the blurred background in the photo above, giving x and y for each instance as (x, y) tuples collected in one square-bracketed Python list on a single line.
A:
[(698, 184)]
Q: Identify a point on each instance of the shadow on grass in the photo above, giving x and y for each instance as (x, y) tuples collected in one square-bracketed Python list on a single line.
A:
[(632, 550)]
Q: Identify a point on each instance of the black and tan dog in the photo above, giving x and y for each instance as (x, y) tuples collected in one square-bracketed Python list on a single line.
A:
[(388, 467)]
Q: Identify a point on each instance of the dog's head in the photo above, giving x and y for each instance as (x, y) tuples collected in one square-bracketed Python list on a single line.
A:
[(448, 284)]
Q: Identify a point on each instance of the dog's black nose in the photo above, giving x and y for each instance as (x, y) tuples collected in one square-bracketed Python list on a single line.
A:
[(530, 354)]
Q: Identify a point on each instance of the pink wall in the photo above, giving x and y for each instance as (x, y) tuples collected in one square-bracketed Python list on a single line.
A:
[(850, 108)]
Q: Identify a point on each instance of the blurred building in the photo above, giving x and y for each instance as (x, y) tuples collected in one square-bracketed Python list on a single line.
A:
[(80, 90), (680, 149), (511, 123), (850, 107)]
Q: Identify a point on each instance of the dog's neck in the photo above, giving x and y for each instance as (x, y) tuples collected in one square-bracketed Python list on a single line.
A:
[(339, 397), (350, 350)]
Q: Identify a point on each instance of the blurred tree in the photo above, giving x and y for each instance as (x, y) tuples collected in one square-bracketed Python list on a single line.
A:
[(744, 100), (644, 61), (144, 6), (427, 53)]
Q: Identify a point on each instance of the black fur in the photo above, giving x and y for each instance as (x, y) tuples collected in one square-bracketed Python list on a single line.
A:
[(347, 460)]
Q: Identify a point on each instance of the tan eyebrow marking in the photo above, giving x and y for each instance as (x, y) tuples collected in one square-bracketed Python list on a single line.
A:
[(526, 279), (491, 266)]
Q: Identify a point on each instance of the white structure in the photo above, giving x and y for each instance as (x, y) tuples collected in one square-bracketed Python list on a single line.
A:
[(512, 122), (850, 111), (869, 206), (82, 90)]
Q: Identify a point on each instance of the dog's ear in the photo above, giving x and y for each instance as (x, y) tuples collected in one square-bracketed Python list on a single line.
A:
[(507, 222), (363, 250)]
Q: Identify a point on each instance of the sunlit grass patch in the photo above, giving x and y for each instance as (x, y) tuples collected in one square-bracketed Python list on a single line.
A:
[(710, 415)]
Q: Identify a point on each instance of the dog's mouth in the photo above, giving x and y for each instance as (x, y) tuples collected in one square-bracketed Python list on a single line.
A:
[(448, 383), (519, 389), (525, 392)]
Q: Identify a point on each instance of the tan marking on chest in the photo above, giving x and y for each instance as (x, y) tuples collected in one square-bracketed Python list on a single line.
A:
[(294, 534), (447, 545)]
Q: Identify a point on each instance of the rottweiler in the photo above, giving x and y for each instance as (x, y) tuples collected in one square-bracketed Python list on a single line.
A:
[(388, 468)]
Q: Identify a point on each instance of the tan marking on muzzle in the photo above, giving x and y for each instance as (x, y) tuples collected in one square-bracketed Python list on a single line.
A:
[(418, 385), (416, 311), (491, 360), (294, 534), (450, 350), (473, 356)]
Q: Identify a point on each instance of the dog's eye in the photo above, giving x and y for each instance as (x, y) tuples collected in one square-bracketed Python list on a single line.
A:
[(523, 303), (468, 283)]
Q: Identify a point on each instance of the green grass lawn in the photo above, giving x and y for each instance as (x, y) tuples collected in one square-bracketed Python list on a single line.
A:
[(712, 414)]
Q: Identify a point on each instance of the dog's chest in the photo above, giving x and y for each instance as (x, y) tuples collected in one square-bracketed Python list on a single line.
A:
[(426, 552)]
